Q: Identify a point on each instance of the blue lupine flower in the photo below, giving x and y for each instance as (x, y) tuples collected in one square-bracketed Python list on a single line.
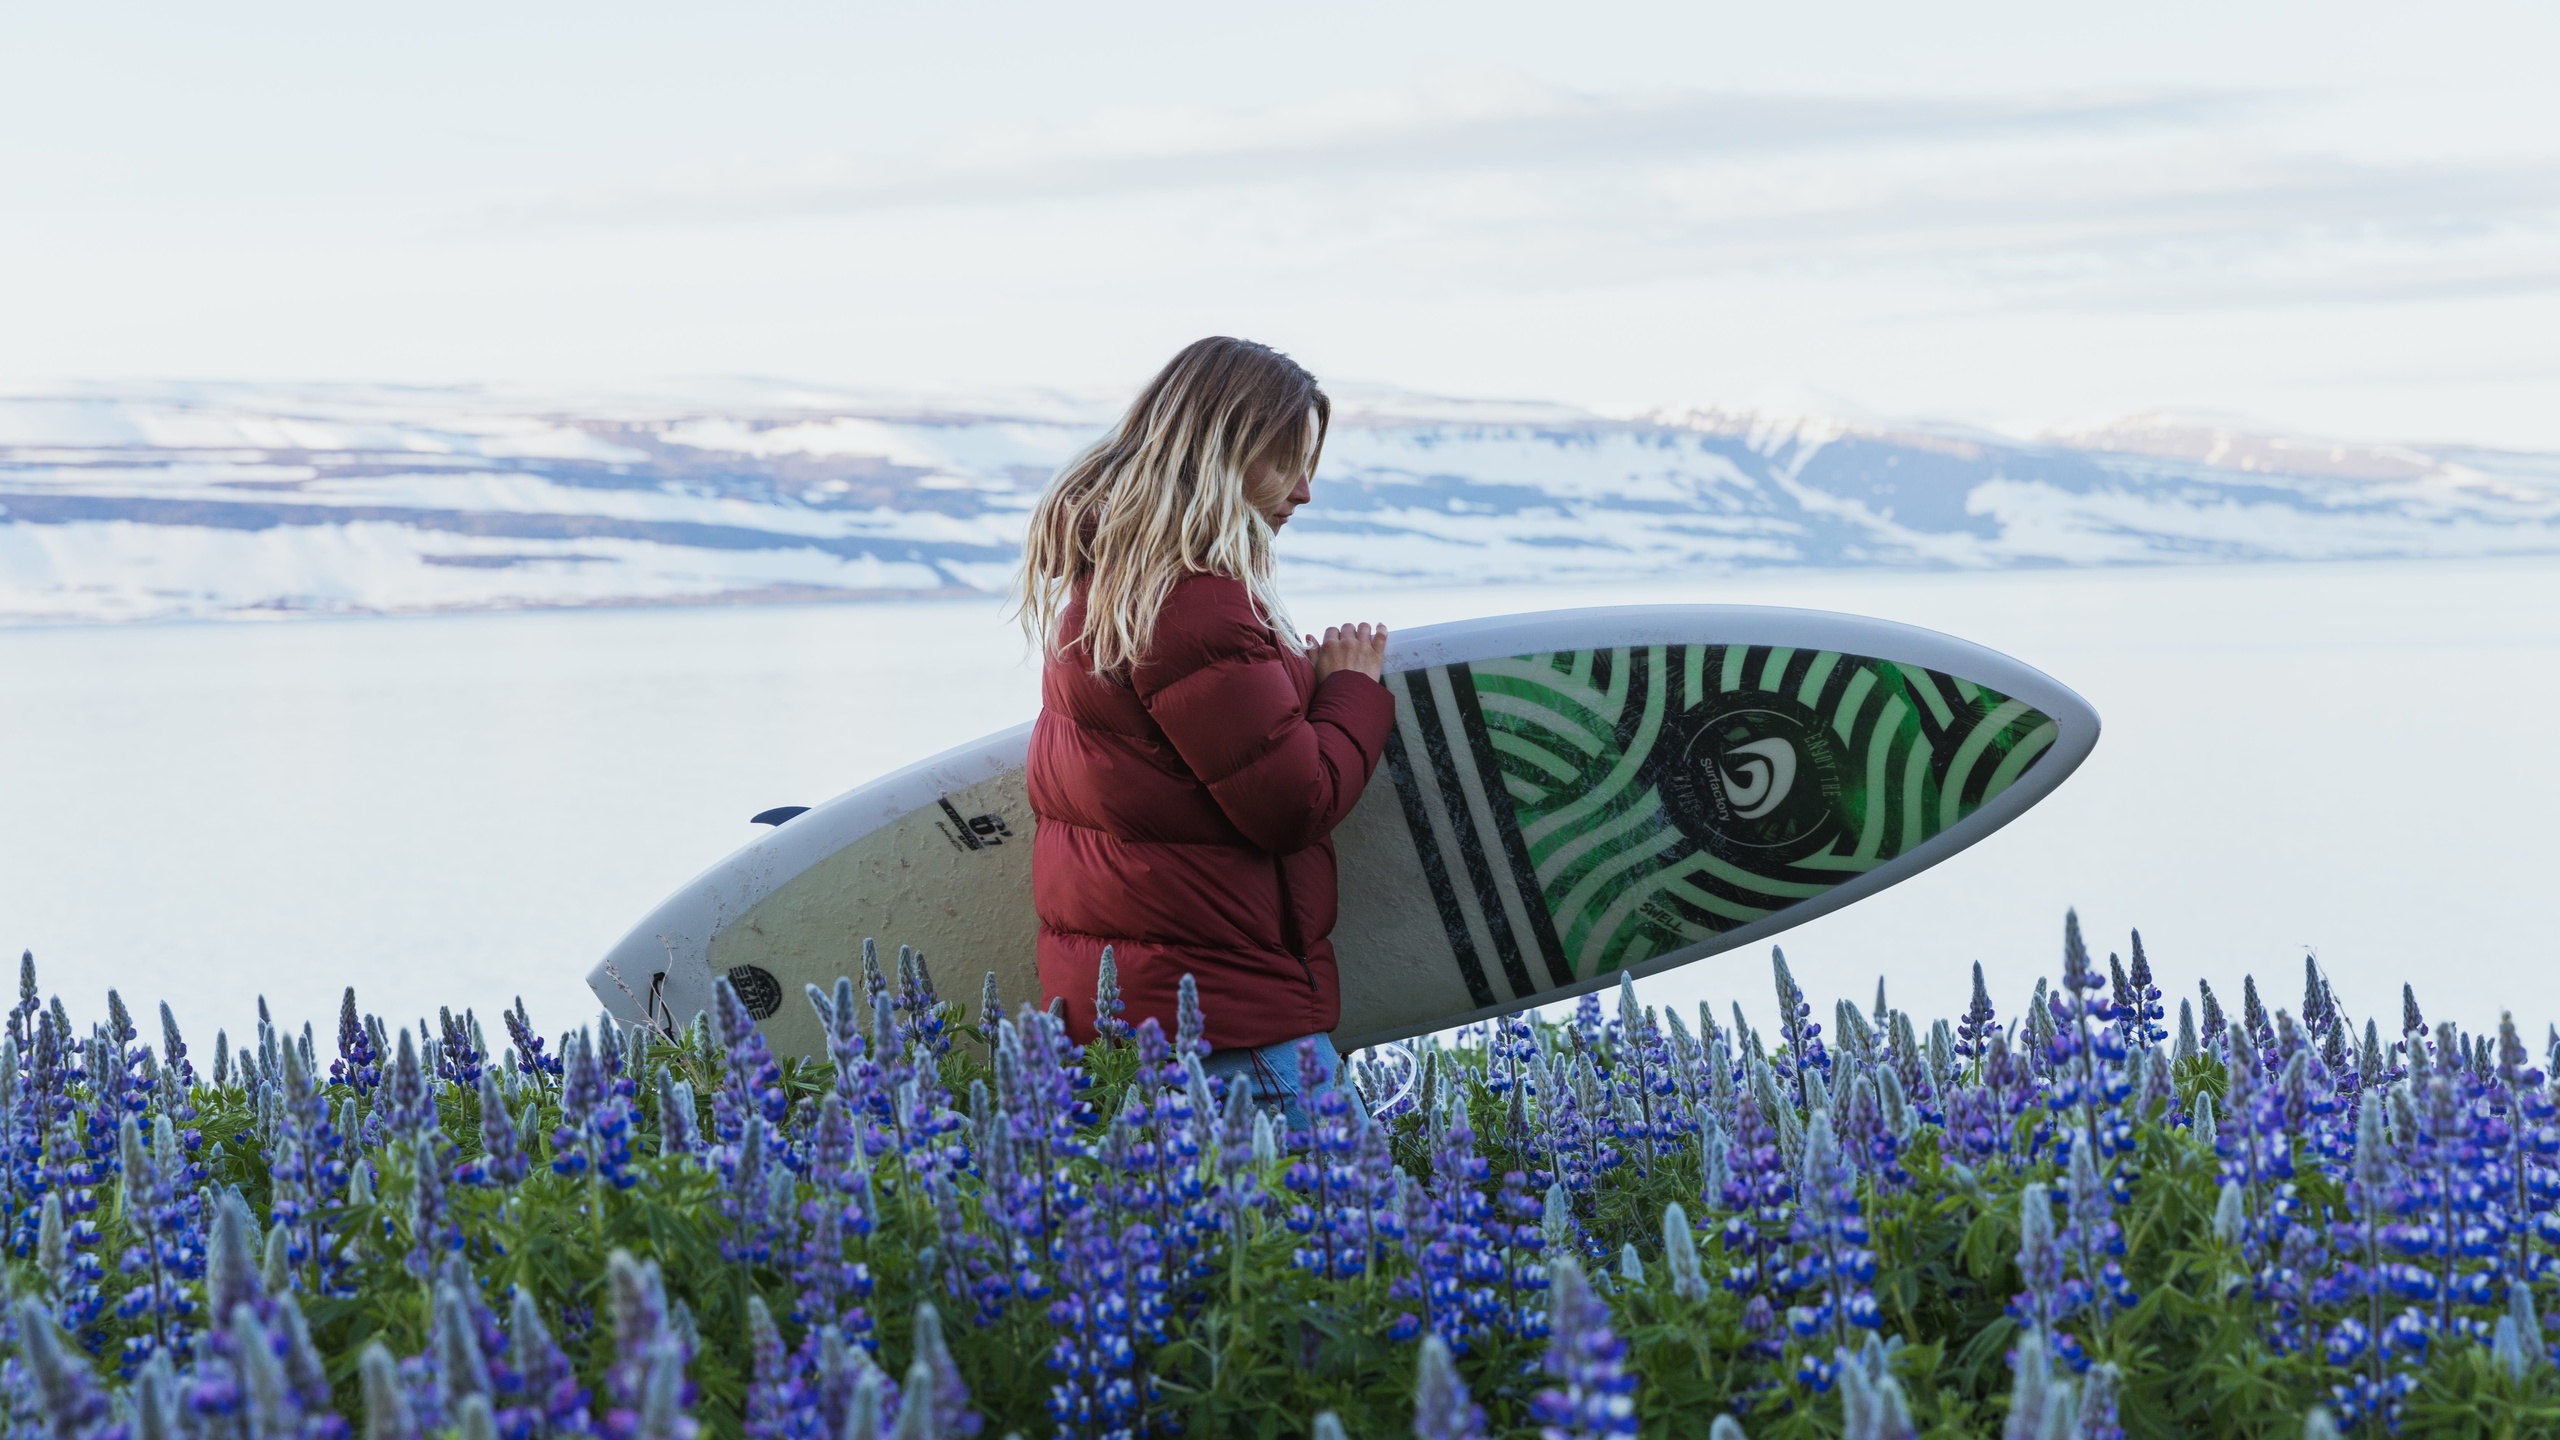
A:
[(1441, 1408), (359, 1065), (460, 1049), (531, 1056), (1595, 1391), (2051, 1295), (1103, 1313), (752, 1083), (75, 1407), (502, 1160), (1834, 1265), (1758, 1193), (164, 1255), (1107, 1006), (779, 1404), (1979, 1022), (1804, 1055), (649, 1355), (2093, 1239), (545, 1401)]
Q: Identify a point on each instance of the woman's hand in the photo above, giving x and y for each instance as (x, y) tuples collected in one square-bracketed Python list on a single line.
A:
[(1350, 647)]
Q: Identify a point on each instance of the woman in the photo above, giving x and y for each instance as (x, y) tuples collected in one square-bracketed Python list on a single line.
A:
[(1191, 758)]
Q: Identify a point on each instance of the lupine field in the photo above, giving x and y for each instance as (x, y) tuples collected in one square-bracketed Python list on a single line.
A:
[(2070, 1218)]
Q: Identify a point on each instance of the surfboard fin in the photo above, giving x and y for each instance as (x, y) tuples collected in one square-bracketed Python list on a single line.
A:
[(777, 814)]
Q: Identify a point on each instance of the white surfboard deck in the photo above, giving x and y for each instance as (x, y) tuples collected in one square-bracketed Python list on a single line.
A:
[(1569, 795)]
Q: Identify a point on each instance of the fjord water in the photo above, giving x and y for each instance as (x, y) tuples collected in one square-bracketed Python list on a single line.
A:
[(2354, 759)]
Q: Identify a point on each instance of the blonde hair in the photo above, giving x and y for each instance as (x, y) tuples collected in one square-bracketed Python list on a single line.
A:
[(1164, 495)]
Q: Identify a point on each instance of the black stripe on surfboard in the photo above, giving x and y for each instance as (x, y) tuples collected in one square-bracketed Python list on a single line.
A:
[(1435, 870), (1506, 824), (1444, 768)]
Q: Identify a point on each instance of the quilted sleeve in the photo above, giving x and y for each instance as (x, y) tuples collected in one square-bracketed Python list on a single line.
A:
[(1219, 685)]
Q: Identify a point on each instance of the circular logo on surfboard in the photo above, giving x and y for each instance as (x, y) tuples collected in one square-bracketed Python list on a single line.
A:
[(1753, 777)]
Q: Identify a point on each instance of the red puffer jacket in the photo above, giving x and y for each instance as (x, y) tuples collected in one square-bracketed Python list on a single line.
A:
[(1184, 815)]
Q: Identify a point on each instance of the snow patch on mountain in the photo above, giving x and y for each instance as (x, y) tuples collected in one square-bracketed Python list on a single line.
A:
[(169, 501)]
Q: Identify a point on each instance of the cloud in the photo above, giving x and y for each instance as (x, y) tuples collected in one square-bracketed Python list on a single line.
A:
[(1497, 124)]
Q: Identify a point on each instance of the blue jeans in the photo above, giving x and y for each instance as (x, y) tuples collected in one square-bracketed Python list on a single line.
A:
[(1272, 1071)]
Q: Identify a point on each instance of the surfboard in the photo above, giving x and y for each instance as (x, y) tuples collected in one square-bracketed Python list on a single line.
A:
[(1567, 797)]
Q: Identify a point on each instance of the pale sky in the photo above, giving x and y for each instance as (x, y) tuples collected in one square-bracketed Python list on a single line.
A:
[(2336, 218)]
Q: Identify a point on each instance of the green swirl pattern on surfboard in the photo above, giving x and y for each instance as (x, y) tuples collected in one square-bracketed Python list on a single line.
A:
[(1586, 810)]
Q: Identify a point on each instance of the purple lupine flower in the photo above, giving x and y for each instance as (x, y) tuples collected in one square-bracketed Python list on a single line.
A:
[(73, 1404), (1872, 1405), (530, 1055), (502, 1161), (2319, 1003), (163, 1257), (388, 1411), (1038, 1083), (678, 1132), (1098, 1391), (408, 1103), (1979, 1021), (472, 1315), (921, 1025), (2093, 1239), (1648, 1079), (461, 1365), (1836, 1266), (832, 1288), (1804, 1053), (1510, 1045), (2255, 1146), (2098, 1391), (747, 1196), (1190, 1025), (458, 1052), (2051, 1295), (2042, 1403), (409, 1108), (840, 1375), (1517, 1240), (1595, 1393), (2253, 1014), (594, 1136), (647, 1373), (778, 1404), (305, 1376), (1757, 1193), (546, 1399), (1457, 1265), (2212, 1024), (359, 1065), (840, 1017), (2149, 1012), (2084, 1062), (1441, 1409), (1332, 1213), (173, 1052), (752, 1082), (2520, 1133), (1585, 1121), (1872, 1144), (2445, 1201), (1107, 1006), (934, 1378)]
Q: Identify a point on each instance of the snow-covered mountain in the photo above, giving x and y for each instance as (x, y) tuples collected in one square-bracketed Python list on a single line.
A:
[(219, 500)]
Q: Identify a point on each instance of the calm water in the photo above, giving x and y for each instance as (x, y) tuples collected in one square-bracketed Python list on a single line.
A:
[(2356, 759)]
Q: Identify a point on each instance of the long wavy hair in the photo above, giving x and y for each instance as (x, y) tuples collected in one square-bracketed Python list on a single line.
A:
[(1165, 494)]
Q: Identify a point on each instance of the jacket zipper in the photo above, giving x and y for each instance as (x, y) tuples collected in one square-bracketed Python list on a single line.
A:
[(1289, 923)]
